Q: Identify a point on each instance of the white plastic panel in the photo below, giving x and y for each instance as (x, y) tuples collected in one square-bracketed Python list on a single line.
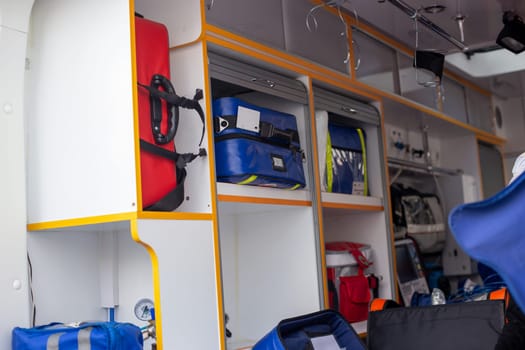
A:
[(188, 291), (187, 75), (269, 268), (182, 18), (79, 111), (13, 279)]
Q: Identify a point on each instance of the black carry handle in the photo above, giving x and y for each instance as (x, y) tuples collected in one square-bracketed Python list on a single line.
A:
[(174, 101), (159, 81)]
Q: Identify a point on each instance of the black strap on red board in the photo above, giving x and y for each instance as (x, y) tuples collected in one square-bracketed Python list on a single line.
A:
[(160, 88)]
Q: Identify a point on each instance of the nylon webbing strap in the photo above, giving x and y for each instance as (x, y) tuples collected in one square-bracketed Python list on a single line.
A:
[(179, 101), (174, 198), (266, 129), (52, 341), (181, 159), (84, 338)]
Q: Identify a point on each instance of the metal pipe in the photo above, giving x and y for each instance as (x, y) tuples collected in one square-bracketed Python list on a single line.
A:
[(412, 12)]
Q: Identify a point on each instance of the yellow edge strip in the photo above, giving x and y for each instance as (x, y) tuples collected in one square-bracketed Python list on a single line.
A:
[(488, 137), (359, 207), (134, 88), (174, 215), (156, 282), (292, 63), (266, 54), (406, 50), (261, 200), (213, 189), (317, 185), (92, 220), (295, 63), (388, 195)]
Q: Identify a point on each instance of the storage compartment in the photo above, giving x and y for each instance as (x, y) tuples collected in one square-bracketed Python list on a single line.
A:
[(88, 273), (256, 146), (350, 115), (313, 31), (269, 266), (269, 103), (261, 21), (369, 228), (375, 62)]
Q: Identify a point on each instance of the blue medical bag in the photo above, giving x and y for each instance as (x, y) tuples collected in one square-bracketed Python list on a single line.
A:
[(346, 160), (256, 146), (88, 335), (326, 329)]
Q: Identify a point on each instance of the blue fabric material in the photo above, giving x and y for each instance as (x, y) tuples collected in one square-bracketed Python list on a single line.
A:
[(242, 153), (347, 155), (295, 333), (492, 232), (104, 336)]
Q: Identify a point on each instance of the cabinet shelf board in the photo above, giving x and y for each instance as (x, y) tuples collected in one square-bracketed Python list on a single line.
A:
[(261, 195), (351, 202), (98, 223)]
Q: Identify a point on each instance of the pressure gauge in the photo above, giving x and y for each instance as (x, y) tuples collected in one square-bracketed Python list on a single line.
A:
[(143, 309)]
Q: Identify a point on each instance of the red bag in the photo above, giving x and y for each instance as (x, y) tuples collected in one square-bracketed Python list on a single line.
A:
[(349, 288), (162, 169), (354, 296)]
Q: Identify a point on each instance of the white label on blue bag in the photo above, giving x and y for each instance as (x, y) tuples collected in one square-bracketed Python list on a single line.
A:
[(326, 342), (358, 188), (248, 119)]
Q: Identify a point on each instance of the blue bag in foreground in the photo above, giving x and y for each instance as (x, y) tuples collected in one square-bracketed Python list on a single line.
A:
[(256, 146), (85, 336), (326, 329), (491, 232)]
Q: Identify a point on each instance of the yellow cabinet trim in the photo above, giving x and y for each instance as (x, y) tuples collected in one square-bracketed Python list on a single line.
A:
[(102, 219)]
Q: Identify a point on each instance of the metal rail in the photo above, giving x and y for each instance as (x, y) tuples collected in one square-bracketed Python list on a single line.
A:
[(412, 12)]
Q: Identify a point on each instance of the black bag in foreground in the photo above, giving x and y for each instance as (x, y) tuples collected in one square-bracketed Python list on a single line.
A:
[(470, 325)]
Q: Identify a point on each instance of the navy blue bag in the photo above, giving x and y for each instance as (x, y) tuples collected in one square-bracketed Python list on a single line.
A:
[(256, 146), (84, 336), (326, 329), (346, 160)]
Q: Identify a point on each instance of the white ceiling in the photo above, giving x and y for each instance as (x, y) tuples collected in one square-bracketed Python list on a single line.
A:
[(483, 22)]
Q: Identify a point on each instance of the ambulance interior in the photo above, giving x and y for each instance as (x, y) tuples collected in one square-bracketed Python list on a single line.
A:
[(437, 87)]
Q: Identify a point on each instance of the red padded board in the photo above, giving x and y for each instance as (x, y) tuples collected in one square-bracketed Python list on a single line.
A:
[(158, 173)]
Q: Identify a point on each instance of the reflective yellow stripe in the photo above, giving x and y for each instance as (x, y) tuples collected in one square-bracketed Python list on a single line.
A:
[(363, 148), (248, 180), (329, 163), (296, 186)]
